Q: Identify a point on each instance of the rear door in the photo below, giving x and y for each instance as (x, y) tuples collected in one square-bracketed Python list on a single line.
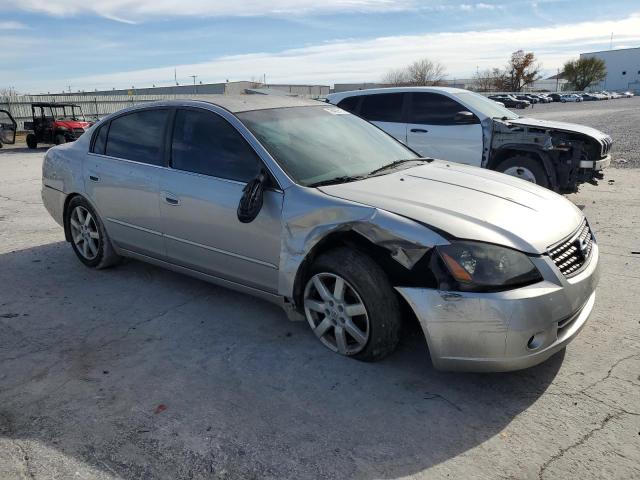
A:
[(210, 165), (386, 110), (122, 175), (433, 132)]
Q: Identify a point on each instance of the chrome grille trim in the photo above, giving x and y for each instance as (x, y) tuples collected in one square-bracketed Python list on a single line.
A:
[(571, 255)]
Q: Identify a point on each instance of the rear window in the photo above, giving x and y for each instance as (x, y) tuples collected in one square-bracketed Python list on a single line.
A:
[(349, 104), (138, 136), (382, 107)]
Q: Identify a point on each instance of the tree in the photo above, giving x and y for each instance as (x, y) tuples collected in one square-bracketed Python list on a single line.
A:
[(419, 73), (583, 72), (523, 69), (484, 80)]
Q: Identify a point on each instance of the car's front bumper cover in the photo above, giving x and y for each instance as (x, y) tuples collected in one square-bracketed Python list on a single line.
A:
[(597, 165), (507, 330)]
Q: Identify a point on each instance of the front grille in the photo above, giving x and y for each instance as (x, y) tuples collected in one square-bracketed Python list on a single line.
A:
[(571, 255), (77, 132), (607, 142)]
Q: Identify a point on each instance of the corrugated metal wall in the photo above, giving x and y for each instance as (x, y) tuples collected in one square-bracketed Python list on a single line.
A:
[(93, 107)]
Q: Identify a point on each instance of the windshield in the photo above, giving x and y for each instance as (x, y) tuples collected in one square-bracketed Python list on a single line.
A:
[(486, 106), (317, 144)]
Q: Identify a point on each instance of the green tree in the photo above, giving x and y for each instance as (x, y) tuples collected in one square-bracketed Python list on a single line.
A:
[(583, 72)]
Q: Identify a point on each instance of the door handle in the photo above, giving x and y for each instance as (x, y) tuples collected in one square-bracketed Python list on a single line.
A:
[(94, 178), (419, 130), (170, 199)]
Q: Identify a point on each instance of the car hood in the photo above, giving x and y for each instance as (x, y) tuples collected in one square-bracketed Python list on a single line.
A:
[(470, 203), (562, 126)]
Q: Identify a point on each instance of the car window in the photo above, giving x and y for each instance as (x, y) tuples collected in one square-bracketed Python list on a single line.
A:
[(206, 143), (433, 109), (138, 136), (349, 104), (382, 107), (100, 139)]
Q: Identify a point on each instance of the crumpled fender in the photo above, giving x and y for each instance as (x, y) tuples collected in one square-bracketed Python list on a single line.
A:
[(310, 215)]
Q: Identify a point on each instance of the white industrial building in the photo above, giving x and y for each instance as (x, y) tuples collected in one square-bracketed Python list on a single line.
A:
[(623, 69)]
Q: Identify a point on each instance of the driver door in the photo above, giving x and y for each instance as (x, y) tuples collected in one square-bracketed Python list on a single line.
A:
[(199, 195), (7, 128)]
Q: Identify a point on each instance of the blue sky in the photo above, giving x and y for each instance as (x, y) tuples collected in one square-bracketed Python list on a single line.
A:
[(48, 45)]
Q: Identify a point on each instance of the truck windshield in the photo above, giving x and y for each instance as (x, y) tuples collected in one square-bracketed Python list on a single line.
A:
[(486, 106), (319, 144)]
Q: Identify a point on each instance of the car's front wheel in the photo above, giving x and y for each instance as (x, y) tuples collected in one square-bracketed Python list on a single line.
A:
[(351, 305), (525, 168), (89, 238)]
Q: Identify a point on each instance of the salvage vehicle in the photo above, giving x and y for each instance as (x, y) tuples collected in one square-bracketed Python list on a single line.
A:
[(313, 208), (464, 127), (55, 123), (8, 128)]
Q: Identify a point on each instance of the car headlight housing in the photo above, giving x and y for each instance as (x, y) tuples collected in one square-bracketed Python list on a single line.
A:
[(481, 267)]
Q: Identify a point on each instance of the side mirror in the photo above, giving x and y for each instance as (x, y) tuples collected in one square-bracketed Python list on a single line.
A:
[(464, 118), (251, 200)]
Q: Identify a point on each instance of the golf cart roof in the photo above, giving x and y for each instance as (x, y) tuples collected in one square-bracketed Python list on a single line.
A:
[(53, 104)]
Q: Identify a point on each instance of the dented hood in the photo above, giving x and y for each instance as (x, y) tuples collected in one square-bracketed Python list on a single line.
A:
[(561, 126), (470, 203)]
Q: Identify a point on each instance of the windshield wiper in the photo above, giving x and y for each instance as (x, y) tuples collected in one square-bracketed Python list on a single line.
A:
[(336, 180), (394, 164)]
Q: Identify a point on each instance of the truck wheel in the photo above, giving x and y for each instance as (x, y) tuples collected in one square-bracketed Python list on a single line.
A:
[(32, 141), (351, 305), (60, 139), (525, 168)]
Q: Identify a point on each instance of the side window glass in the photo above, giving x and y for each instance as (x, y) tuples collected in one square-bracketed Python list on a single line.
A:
[(382, 107), (433, 109), (349, 104), (206, 143), (138, 136), (101, 139)]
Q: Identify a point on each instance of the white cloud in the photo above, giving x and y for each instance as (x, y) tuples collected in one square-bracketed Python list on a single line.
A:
[(367, 60), (11, 25)]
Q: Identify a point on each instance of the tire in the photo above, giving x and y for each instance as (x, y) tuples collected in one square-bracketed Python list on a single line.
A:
[(367, 287), (532, 170), (99, 252), (32, 141), (60, 140)]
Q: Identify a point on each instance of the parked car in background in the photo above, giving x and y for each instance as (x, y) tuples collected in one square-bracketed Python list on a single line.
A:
[(526, 98), (555, 97), (55, 123), (570, 97), (464, 127), (317, 210), (8, 127), (509, 101), (627, 94), (543, 98), (588, 97)]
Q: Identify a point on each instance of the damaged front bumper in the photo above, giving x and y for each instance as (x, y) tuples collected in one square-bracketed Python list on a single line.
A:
[(596, 164), (507, 330)]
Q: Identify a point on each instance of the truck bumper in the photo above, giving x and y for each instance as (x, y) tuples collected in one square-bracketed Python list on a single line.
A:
[(596, 164)]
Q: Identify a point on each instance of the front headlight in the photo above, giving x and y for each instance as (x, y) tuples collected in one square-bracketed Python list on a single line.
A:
[(479, 266)]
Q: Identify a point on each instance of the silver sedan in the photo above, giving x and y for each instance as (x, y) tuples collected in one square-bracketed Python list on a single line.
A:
[(306, 205)]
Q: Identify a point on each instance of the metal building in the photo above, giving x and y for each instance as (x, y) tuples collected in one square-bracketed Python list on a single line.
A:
[(623, 69)]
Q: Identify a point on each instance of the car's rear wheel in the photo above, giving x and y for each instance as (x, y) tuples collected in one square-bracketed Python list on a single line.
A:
[(351, 305), (525, 168), (32, 141), (89, 238)]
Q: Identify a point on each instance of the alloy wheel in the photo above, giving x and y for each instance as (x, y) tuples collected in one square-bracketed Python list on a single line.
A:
[(84, 232), (336, 313)]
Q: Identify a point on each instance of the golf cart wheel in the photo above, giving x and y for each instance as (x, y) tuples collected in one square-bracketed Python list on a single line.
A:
[(32, 141), (60, 139), (351, 306), (525, 168)]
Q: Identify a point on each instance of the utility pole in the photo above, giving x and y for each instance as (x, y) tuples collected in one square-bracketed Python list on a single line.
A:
[(195, 87), (558, 80), (611, 42), (175, 76)]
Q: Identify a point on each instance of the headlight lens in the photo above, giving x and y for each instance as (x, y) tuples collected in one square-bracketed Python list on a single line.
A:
[(482, 266)]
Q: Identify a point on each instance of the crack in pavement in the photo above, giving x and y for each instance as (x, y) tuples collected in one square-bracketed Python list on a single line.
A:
[(580, 441), (609, 372), (19, 201)]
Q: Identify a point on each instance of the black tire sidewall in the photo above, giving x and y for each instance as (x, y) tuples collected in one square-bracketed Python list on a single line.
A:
[(376, 292), (32, 141)]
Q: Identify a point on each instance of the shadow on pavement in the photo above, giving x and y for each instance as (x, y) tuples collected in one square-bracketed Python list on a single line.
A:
[(143, 373)]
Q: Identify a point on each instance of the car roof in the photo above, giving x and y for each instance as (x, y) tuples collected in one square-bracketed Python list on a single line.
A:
[(241, 103), (370, 91)]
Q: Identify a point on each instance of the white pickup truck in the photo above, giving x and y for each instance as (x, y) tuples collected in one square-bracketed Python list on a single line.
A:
[(462, 126)]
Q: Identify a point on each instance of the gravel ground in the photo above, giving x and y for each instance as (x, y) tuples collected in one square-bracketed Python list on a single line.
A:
[(619, 118), (137, 372)]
